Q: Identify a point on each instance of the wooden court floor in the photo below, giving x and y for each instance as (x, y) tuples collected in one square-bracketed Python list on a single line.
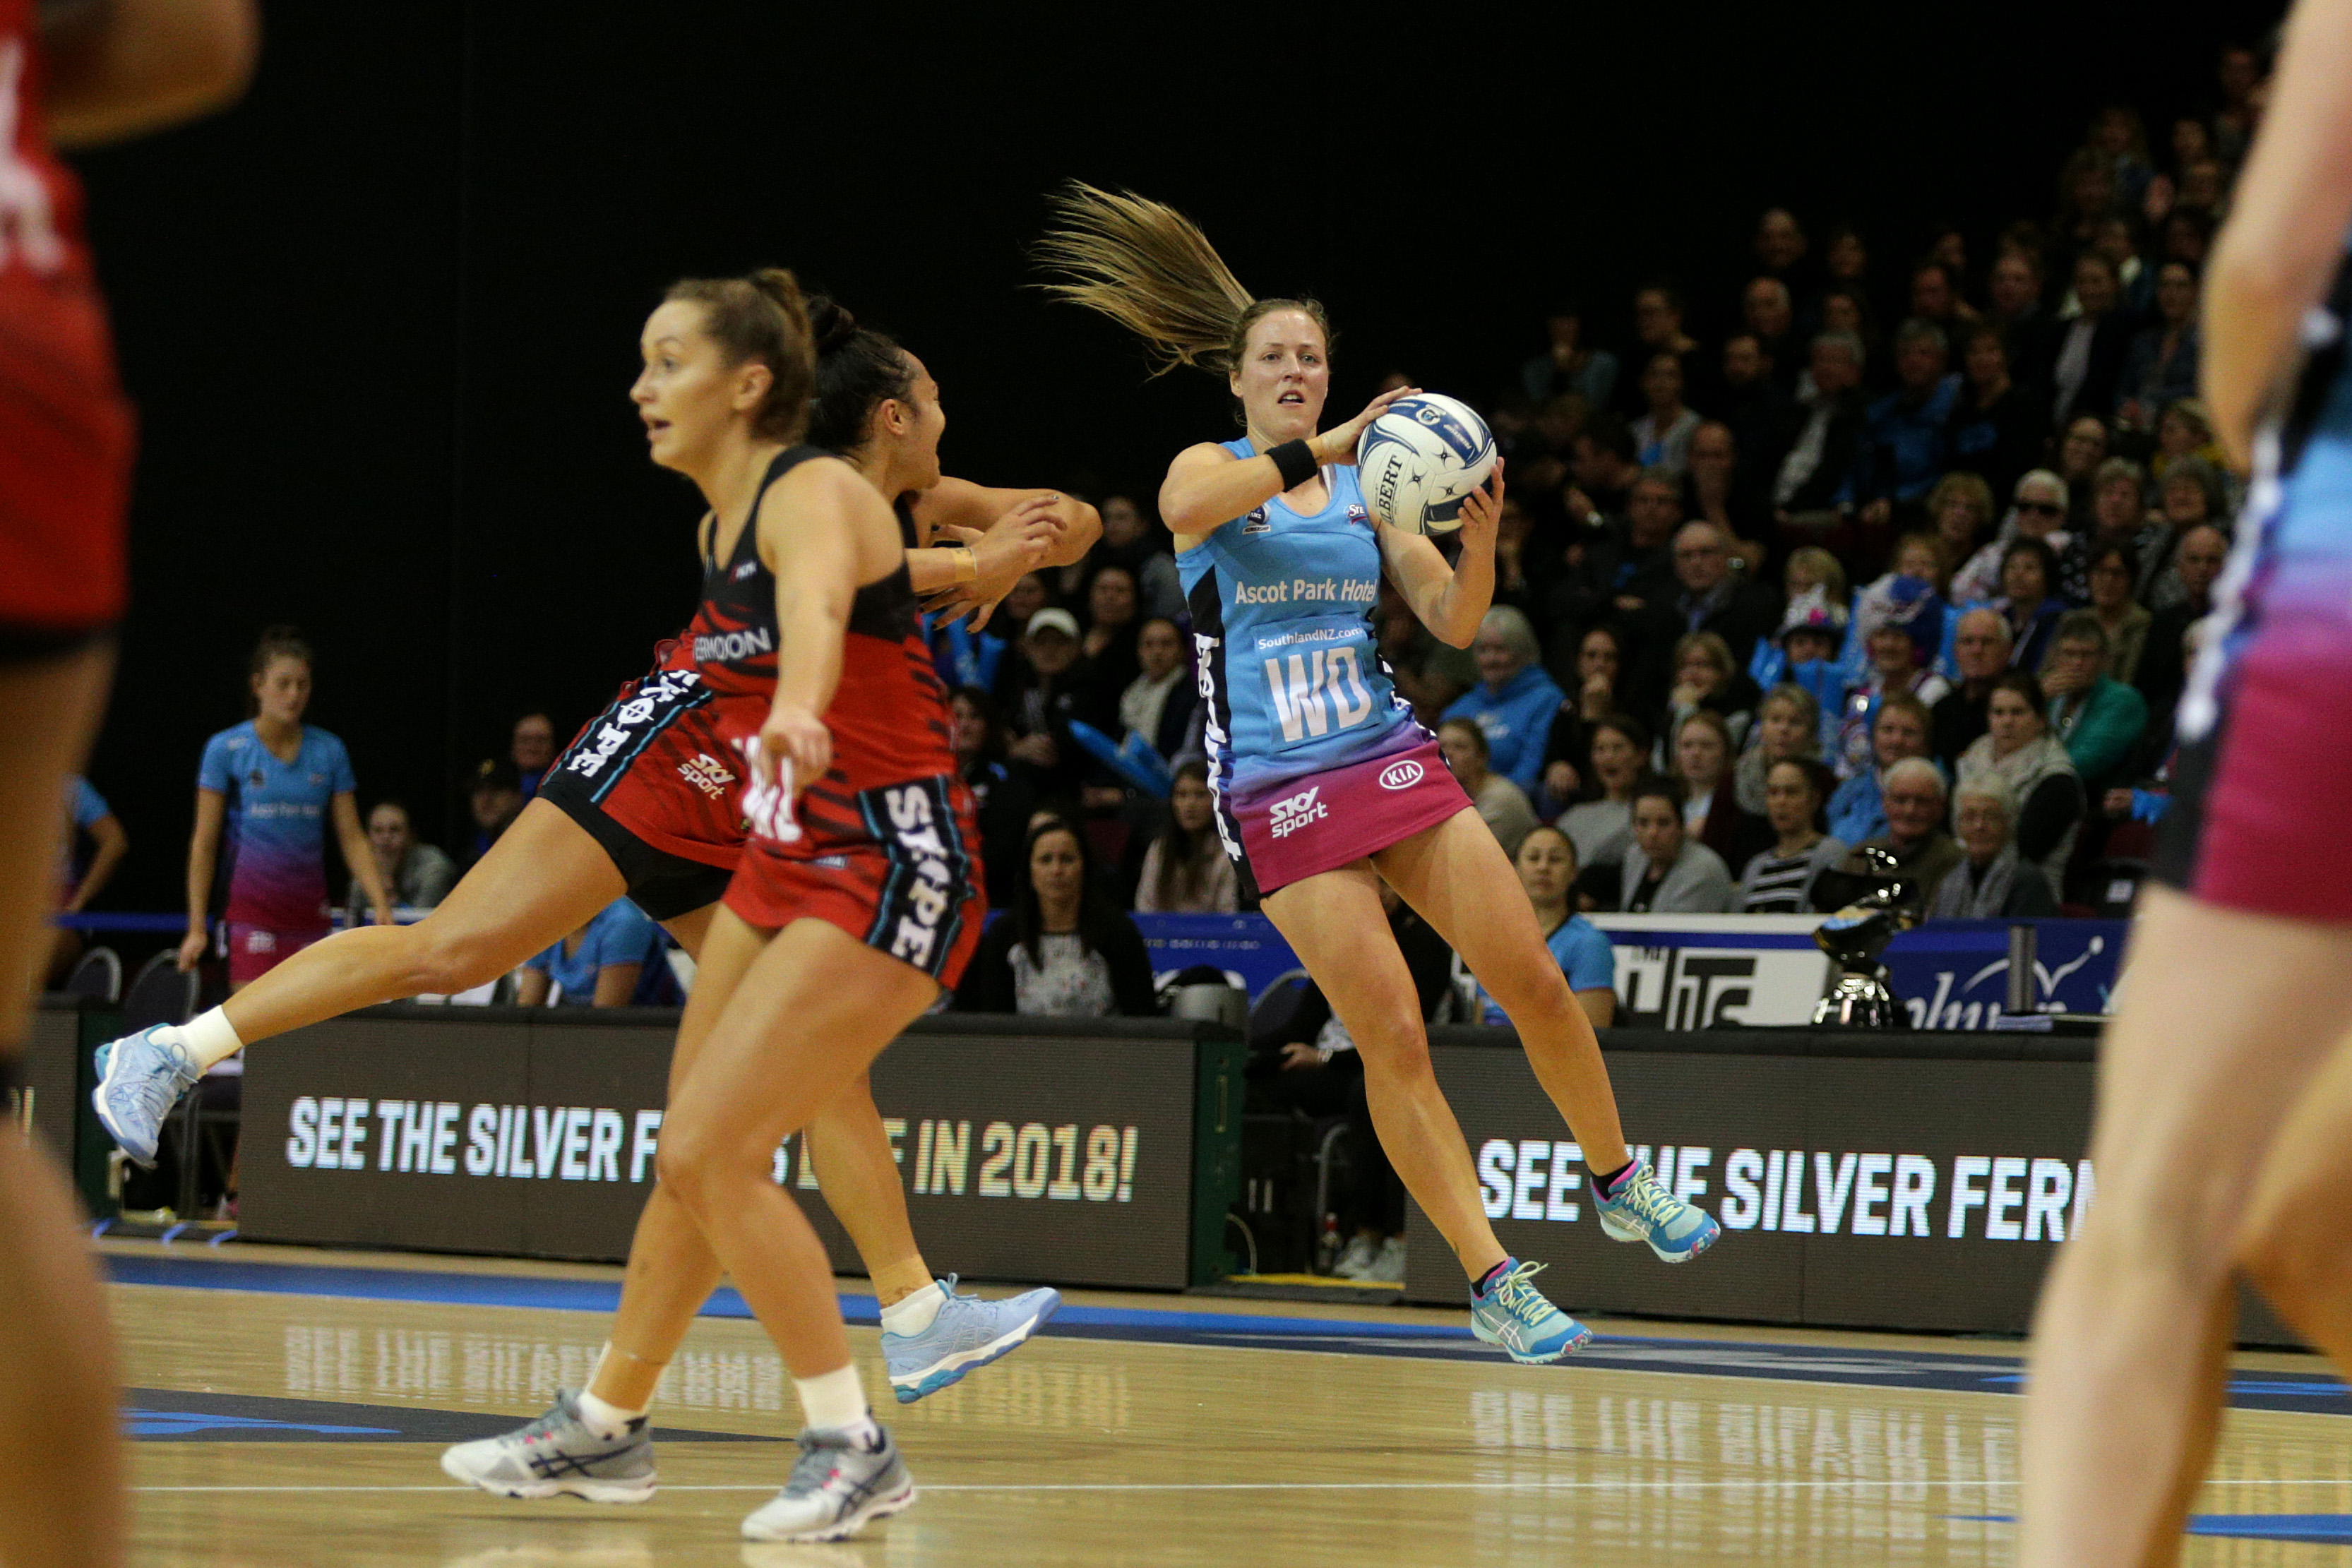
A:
[(280, 1425)]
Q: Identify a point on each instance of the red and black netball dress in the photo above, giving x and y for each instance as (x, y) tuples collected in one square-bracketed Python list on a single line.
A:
[(65, 427), (650, 779), (885, 845)]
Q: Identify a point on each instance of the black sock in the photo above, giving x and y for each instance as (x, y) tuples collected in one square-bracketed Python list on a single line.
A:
[(1602, 1184), (1487, 1280)]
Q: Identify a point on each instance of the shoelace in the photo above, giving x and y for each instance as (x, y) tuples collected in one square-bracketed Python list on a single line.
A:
[(160, 1087), (819, 1458), (545, 1426), (1515, 1295), (1647, 1196)]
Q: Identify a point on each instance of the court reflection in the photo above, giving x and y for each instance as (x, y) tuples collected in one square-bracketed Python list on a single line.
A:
[(432, 1366)]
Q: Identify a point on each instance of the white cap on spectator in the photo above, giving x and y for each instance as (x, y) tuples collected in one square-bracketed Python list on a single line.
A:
[(1051, 620)]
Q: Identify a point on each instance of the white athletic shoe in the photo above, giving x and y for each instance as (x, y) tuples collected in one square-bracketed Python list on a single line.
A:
[(1356, 1260), (836, 1488), (557, 1454)]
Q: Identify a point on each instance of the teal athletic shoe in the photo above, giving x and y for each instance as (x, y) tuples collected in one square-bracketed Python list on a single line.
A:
[(1514, 1314), (1643, 1210), (969, 1333), (139, 1078)]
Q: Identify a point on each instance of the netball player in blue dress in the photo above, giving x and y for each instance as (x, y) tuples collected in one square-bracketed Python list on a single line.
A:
[(2220, 1140), (1326, 785), (270, 789)]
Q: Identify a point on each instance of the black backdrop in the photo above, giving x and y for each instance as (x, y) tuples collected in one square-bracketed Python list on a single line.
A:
[(380, 317)]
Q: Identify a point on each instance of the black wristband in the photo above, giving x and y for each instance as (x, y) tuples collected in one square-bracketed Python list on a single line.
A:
[(1295, 461)]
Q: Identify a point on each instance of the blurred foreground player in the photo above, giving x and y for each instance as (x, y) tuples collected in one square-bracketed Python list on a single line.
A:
[(2220, 1138), (82, 74)]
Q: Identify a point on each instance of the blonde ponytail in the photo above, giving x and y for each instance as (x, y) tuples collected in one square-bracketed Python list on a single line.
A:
[(1150, 268)]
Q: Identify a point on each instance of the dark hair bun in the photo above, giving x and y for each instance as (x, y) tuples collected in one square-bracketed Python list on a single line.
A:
[(829, 323)]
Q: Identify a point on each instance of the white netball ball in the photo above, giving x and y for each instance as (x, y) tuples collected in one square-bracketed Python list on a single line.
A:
[(1419, 459)]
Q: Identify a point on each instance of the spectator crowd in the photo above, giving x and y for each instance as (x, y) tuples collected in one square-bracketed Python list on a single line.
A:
[(1905, 546), (1901, 540)]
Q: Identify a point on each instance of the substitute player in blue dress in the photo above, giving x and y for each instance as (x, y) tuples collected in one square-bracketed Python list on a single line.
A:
[(1325, 784), (268, 791), (2225, 1086)]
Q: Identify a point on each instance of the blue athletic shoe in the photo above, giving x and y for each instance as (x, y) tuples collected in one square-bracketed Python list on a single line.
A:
[(969, 1333), (1513, 1314), (139, 1078), (1643, 1210)]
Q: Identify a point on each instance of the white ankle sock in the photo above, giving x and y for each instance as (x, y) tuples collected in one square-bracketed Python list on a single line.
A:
[(206, 1038), (604, 1417), (914, 1313), (837, 1402)]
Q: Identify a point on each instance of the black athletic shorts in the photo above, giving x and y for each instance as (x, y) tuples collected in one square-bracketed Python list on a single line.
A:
[(662, 884)]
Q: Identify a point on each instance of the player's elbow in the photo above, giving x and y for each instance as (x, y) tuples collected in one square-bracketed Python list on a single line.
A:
[(152, 67), (1082, 533), (1182, 507), (219, 63), (2273, 271), (1452, 635)]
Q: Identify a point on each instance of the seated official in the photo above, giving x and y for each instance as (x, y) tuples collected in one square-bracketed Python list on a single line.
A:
[(1547, 866), (616, 960)]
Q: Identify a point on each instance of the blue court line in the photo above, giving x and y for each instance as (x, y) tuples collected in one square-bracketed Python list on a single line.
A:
[(604, 1296), (2278, 1389), (2314, 1529)]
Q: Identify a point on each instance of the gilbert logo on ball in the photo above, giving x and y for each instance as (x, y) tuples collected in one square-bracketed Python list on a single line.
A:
[(1419, 459)]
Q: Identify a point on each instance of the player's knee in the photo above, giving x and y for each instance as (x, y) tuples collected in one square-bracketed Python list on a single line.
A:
[(1526, 989), (1396, 1047), (699, 1158), (682, 1163), (446, 959), (2297, 1265), (2176, 1221)]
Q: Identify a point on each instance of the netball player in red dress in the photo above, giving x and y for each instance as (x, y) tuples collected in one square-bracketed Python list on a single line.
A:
[(645, 803), (65, 476), (856, 899)]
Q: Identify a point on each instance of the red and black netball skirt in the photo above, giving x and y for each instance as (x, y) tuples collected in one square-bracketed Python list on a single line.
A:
[(906, 881), (649, 780), (66, 443)]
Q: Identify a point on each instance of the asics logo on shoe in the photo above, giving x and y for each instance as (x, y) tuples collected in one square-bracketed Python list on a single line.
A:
[(1285, 817)]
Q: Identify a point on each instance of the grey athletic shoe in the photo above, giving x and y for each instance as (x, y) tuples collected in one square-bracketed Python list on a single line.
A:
[(139, 1078), (836, 1488), (558, 1454)]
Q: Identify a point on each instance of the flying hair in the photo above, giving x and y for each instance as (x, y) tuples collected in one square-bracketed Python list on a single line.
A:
[(1150, 268)]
